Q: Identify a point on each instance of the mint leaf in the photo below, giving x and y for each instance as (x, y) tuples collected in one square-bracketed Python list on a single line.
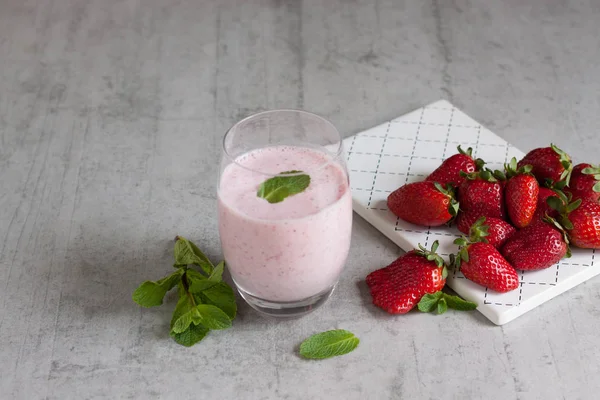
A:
[(182, 315), (151, 294), (276, 189), (442, 306), (217, 273), (429, 302), (187, 253), (198, 282), (192, 335), (440, 302), (187, 314), (328, 344), (220, 295), (456, 303), (211, 317)]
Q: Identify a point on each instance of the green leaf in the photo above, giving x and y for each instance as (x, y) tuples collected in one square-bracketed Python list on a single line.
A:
[(429, 301), (210, 316), (182, 323), (596, 187), (276, 189), (442, 306), (217, 274), (456, 303), (329, 344), (192, 335), (182, 310), (198, 282), (221, 295), (187, 253), (151, 294)]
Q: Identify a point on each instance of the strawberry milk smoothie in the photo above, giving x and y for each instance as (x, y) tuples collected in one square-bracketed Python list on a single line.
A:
[(291, 250)]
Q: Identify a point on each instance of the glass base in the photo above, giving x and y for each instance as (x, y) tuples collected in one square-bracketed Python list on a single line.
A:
[(288, 309)]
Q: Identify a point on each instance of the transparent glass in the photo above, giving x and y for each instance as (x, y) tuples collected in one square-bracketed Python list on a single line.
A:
[(285, 258)]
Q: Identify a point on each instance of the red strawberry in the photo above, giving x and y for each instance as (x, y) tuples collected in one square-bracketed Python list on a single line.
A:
[(581, 220), (521, 194), (585, 183), (535, 247), (543, 208), (399, 287), (481, 195), (495, 231), (483, 264), (464, 221), (423, 203), (450, 170), (549, 164)]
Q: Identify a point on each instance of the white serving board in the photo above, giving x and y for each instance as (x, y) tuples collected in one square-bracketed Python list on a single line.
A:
[(407, 149)]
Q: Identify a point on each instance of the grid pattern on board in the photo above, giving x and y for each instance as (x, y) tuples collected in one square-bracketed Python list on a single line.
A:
[(407, 149)]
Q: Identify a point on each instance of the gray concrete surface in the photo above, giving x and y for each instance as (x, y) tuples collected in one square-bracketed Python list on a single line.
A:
[(111, 113)]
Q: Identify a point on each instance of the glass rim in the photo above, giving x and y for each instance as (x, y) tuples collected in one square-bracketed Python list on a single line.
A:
[(232, 159)]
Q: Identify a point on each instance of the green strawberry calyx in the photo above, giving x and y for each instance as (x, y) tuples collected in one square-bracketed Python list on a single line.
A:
[(468, 152), (479, 163), (511, 169), (593, 170), (565, 161), (449, 191), (477, 233), (431, 255), (485, 174), (564, 206)]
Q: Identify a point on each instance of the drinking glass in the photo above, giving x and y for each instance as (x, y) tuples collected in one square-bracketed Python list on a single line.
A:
[(285, 257)]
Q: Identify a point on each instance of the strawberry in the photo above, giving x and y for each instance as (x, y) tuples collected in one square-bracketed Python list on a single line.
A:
[(481, 263), (450, 170), (495, 231), (543, 208), (521, 193), (535, 247), (550, 164), (585, 183), (481, 195), (464, 221), (581, 220), (399, 287), (423, 203)]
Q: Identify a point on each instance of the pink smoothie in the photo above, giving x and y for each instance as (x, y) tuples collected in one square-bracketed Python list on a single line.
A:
[(294, 249)]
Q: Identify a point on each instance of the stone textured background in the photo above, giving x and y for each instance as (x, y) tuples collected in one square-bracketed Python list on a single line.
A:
[(111, 115)]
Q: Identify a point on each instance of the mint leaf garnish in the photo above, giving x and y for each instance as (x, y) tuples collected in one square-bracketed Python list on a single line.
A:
[(429, 302), (222, 296), (210, 316), (151, 294), (205, 301), (277, 188), (329, 344), (192, 335), (198, 282), (440, 302), (187, 253), (456, 303), (442, 306), (217, 273)]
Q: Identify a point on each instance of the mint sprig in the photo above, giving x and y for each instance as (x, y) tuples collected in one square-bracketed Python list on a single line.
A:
[(440, 302), (205, 301), (329, 344), (286, 184)]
